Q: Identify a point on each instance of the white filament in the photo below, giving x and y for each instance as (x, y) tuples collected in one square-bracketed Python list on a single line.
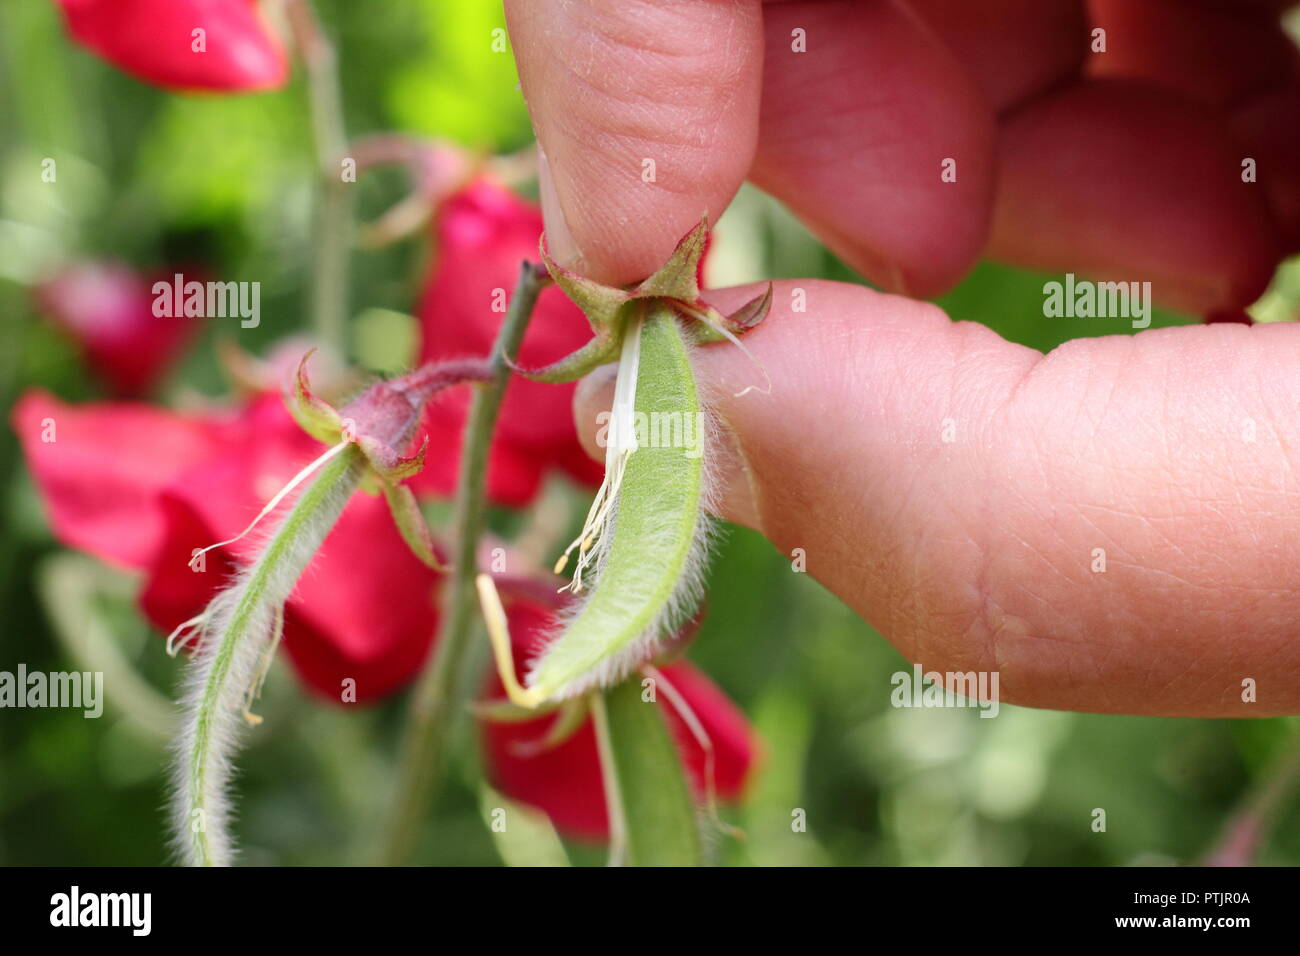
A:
[(271, 505), (734, 340), (621, 444)]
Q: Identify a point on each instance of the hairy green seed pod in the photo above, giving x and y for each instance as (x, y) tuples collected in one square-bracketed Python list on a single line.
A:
[(239, 627), (650, 550)]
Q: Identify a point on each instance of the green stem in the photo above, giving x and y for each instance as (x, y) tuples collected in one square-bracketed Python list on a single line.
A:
[(443, 687), (333, 213)]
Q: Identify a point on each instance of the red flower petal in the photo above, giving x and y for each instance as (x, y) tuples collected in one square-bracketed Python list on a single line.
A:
[(580, 466), (108, 310), (101, 475), (514, 475), (154, 40), (725, 726), (214, 500), (363, 610), (142, 487), (483, 234), (565, 781)]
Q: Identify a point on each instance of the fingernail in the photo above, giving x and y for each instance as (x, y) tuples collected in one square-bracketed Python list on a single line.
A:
[(594, 395), (559, 241)]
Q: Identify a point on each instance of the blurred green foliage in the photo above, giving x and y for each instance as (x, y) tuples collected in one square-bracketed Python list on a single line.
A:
[(152, 178)]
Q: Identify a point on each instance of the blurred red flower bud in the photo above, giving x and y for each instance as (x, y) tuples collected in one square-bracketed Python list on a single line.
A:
[(107, 309), (221, 45)]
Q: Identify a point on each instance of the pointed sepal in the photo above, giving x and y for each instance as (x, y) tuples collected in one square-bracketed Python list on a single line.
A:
[(713, 326), (504, 711), (390, 466), (411, 524), (707, 334), (603, 348), (679, 278), (573, 714), (570, 715), (751, 313), (601, 304), (608, 309), (317, 417)]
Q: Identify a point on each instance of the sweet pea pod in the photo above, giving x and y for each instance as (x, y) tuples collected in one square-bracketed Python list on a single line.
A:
[(237, 635), (652, 541), (238, 632), (653, 819), (645, 538)]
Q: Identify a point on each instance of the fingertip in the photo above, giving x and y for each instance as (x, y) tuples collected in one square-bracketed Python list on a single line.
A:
[(594, 395), (1014, 49), (1213, 53), (647, 115)]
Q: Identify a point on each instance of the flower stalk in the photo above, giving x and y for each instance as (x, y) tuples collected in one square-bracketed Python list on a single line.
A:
[(443, 687), (333, 214)]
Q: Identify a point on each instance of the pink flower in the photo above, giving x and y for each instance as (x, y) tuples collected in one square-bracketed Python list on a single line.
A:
[(107, 309)]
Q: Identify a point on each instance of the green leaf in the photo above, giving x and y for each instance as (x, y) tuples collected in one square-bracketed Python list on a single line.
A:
[(650, 794)]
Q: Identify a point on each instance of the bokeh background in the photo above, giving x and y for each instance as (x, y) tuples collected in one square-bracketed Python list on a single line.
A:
[(152, 178)]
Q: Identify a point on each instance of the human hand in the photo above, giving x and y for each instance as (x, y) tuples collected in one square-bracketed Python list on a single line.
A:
[(962, 493), (1122, 164)]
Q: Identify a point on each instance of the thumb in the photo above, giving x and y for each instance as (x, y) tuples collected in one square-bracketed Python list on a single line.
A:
[(646, 115), (1113, 527)]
